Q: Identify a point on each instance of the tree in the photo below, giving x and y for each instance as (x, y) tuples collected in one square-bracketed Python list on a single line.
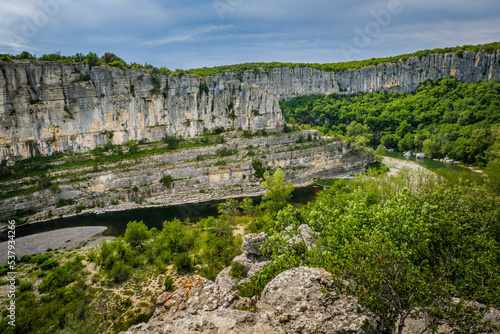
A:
[(278, 192), (228, 209), (247, 206), (136, 232)]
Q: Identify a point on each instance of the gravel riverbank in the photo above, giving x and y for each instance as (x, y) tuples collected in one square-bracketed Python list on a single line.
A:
[(66, 238)]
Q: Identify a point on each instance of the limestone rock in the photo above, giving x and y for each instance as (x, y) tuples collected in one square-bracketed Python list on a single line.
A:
[(298, 300), (225, 280), (302, 299), (303, 233), (252, 243)]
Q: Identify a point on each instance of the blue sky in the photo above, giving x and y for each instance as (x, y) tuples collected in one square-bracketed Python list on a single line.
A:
[(189, 34)]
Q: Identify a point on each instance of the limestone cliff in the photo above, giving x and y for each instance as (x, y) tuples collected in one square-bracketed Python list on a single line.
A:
[(210, 171), (405, 75), (51, 107)]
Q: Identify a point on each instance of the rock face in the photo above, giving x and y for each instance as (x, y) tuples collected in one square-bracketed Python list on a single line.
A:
[(300, 300), (404, 75), (200, 175), (251, 261), (50, 107)]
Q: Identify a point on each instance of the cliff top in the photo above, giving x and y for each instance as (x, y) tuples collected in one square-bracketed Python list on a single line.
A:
[(111, 59)]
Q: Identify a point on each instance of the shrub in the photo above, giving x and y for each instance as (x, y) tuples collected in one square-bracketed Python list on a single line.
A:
[(136, 232), (169, 283), (172, 141), (119, 272), (49, 264), (25, 286), (61, 276), (237, 271), (183, 263), (167, 180)]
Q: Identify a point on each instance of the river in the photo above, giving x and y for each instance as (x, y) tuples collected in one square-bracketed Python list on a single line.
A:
[(116, 222)]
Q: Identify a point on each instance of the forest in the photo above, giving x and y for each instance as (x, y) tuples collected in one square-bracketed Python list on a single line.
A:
[(440, 118)]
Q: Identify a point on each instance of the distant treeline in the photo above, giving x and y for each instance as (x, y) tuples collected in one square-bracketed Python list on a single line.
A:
[(337, 67), (111, 59), (442, 117)]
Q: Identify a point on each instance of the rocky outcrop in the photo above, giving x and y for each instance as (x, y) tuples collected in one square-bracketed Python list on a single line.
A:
[(199, 174), (52, 107), (404, 75), (251, 262), (300, 300)]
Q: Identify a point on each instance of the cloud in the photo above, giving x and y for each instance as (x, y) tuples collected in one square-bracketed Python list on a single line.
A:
[(188, 36)]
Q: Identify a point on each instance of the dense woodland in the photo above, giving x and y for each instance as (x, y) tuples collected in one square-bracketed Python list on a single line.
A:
[(441, 118)]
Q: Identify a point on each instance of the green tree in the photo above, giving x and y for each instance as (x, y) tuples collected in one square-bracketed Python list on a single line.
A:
[(229, 209), (136, 233), (278, 192)]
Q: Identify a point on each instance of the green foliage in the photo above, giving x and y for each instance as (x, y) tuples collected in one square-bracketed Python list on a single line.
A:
[(136, 233), (229, 209), (278, 192), (237, 271), (172, 141), (377, 168), (169, 283), (442, 117), (61, 276), (167, 180), (259, 168), (183, 263)]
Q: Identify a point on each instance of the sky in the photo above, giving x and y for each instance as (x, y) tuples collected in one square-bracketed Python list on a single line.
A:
[(192, 34)]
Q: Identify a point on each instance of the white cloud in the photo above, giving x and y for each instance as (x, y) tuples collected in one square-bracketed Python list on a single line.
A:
[(188, 36)]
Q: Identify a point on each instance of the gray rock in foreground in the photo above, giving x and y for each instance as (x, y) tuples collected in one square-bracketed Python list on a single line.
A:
[(300, 300)]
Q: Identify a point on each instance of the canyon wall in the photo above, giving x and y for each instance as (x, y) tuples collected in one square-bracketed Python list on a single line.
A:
[(198, 174), (404, 75), (52, 107)]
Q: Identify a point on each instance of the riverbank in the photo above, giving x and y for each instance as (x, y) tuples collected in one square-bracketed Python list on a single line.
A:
[(396, 165), (65, 239)]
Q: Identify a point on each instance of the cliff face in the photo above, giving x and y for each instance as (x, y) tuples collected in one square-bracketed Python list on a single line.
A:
[(405, 75), (50, 107), (199, 174)]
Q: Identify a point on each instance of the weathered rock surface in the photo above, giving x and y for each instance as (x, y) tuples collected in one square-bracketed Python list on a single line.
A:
[(251, 260), (252, 243), (200, 175), (404, 75), (51, 107), (299, 300)]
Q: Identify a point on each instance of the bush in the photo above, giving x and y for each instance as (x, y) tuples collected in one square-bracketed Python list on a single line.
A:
[(136, 232), (119, 272), (25, 286), (167, 180), (61, 276), (169, 283), (237, 271), (49, 264), (172, 141), (183, 263)]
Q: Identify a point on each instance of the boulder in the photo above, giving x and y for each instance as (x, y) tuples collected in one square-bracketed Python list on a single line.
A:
[(304, 234), (252, 243), (300, 300)]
